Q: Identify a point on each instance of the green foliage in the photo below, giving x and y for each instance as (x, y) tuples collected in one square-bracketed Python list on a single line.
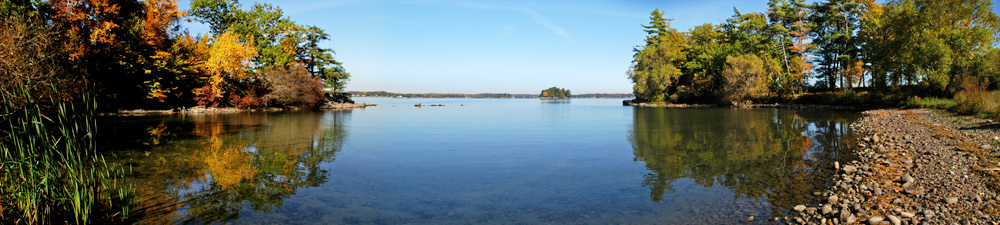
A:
[(52, 171), (554, 92), (657, 65), (933, 43), (929, 102), (279, 41), (744, 78), (903, 48)]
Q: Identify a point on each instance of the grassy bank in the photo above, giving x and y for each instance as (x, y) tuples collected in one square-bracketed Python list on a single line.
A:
[(970, 101), (52, 171)]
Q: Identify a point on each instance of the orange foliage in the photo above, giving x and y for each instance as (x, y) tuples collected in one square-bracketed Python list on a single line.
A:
[(159, 16), (92, 21)]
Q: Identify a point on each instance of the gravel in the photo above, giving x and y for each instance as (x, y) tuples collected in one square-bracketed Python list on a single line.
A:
[(913, 167)]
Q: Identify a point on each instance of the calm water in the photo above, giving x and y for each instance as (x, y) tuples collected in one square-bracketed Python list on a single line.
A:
[(500, 161)]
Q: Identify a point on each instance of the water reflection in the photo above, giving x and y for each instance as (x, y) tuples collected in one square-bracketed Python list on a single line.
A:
[(555, 101), (217, 165), (780, 154)]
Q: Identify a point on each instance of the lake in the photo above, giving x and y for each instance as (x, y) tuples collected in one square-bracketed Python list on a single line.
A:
[(482, 161)]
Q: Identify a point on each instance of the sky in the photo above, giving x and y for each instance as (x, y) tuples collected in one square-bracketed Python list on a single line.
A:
[(513, 46)]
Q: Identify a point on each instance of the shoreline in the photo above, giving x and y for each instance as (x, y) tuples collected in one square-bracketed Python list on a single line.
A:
[(914, 166), (751, 106), (224, 110)]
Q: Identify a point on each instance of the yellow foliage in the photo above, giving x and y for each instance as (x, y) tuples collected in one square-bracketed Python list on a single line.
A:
[(228, 58), (228, 165)]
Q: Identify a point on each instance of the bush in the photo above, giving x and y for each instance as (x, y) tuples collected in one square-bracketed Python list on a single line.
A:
[(974, 99), (35, 51), (293, 87), (744, 78)]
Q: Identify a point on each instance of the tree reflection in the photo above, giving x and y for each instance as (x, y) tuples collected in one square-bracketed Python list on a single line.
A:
[(753, 152), (234, 162)]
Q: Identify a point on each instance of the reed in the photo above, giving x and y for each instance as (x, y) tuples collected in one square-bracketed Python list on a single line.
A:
[(51, 170)]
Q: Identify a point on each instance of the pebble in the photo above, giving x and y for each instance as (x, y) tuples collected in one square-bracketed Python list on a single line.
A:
[(875, 220), (850, 169), (907, 178), (827, 209), (894, 220), (799, 208), (907, 214), (928, 213), (951, 200), (833, 199)]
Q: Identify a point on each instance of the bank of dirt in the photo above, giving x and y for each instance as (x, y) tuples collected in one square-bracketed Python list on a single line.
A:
[(914, 167)]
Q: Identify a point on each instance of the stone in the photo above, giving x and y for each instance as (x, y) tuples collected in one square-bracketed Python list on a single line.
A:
[(894, 220), (833, 199), (827, 209), (836, 165), (875, 220), (951, 200), (845, 214), (986, 146), (907, 178), (907, 214), (928, 213), (850, 169), (750, 218), (851, 219), (799, 208)]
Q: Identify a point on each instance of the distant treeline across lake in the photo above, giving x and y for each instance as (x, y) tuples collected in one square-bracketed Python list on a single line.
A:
[(480, 95)]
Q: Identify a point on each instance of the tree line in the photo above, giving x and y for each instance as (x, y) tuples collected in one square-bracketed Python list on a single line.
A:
[(936, 48), (135, 54)]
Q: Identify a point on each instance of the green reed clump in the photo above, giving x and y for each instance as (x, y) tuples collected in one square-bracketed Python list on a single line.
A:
[(929, 102), (51, 170)]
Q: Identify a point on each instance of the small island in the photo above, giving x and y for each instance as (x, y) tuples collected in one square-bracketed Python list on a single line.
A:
[(554, 93)]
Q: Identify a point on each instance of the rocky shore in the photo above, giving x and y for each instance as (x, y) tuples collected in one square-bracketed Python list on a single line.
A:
[(914, 167)]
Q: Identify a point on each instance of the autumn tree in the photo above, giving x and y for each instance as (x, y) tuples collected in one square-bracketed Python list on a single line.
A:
[(279, 41), (744, 77), (657, 64), (933, 43), (229, 59), (790, 28), (293, 86)]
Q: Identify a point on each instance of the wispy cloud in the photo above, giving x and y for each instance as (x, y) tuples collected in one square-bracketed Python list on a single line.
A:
[(545, 22), (538, 18)]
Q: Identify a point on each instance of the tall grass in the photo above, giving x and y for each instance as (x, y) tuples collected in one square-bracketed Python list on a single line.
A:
[(52, 172), (975, 99)]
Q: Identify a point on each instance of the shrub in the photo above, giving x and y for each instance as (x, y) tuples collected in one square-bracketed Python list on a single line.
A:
[(293, 87), (32, 50), (976, 100), (744, 78)]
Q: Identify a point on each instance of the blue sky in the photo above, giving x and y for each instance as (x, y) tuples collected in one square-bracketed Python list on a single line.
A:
[(441, 46)]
